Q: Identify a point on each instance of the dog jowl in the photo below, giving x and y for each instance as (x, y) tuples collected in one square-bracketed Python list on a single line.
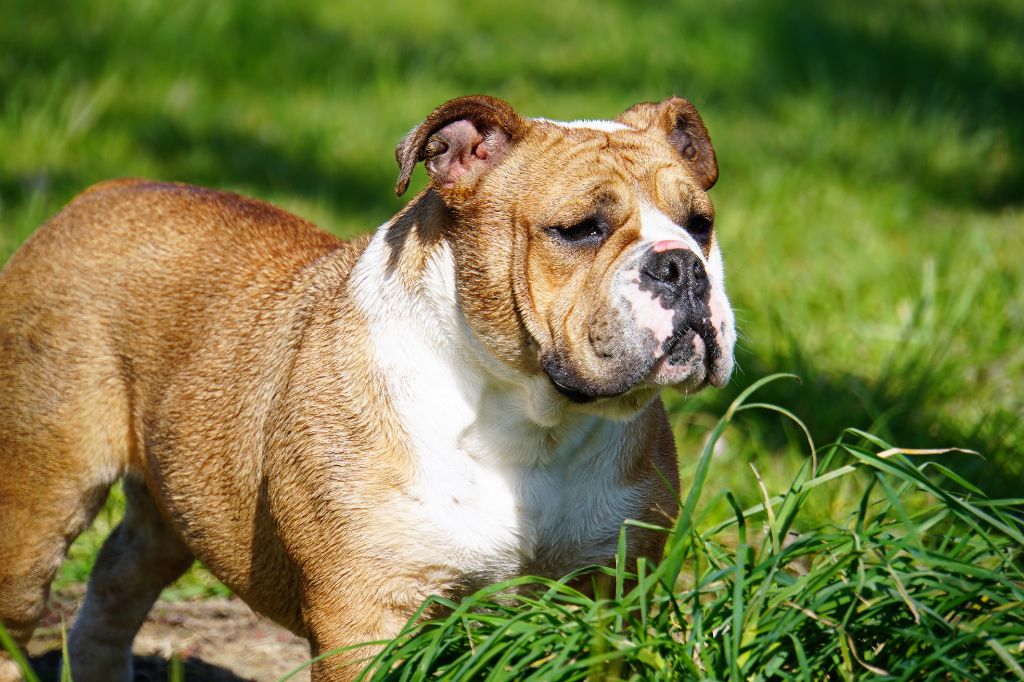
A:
[(338, 430)]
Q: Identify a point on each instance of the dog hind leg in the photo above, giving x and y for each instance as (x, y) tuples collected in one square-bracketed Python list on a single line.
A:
[(31, 552), (64, 426), (34, 537), (48, 496), (141, 557)]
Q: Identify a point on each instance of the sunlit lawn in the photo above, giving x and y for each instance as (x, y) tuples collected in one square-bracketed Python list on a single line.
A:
[(871, 173)]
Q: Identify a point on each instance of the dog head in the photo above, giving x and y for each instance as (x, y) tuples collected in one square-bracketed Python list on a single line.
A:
[(585, 251)]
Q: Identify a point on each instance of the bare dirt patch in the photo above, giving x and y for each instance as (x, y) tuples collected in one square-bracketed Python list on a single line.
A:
[(217, 640)]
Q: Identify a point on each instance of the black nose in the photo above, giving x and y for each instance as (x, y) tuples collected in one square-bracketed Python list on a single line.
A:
[(675, 273)]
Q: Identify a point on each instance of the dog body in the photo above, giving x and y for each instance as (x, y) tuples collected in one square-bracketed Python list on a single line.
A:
[(338, 430)]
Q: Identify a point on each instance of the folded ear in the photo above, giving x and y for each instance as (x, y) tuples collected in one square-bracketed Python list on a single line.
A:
[(679, 121), (459, 141)]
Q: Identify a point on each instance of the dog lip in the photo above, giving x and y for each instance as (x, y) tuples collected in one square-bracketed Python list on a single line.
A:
[(576, 396), (566, 383), (686, 334), (717, 380), (674, 340)]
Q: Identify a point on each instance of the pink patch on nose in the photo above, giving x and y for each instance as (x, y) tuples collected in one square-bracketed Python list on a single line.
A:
[(669, 244)]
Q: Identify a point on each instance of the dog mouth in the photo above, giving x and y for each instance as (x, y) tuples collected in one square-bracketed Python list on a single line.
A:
[(576, 388), (691, 357), (678, 348), (574, 395), (686, 359)]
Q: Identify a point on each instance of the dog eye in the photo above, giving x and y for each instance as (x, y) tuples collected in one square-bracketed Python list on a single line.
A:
[(699, 226), (589, 231)]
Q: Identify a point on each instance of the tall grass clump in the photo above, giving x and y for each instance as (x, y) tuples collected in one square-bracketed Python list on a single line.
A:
[(921, 579)]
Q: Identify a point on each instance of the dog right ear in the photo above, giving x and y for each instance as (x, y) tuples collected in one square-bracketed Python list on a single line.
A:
[(459, 141)]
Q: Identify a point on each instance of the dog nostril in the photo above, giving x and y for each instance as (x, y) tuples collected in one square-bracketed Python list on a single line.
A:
[(673, 271), (699, 281)]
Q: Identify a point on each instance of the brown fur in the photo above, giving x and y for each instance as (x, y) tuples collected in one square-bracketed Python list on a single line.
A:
[(205, 347)]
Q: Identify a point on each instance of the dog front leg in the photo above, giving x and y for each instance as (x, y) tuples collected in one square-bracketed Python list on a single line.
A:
[(346, 648), (356, 625)]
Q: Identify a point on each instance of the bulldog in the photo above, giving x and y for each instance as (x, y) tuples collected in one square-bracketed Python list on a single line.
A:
[(338, 430)]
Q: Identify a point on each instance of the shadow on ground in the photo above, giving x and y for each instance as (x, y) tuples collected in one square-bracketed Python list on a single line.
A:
[(147, 669), (210, 640)]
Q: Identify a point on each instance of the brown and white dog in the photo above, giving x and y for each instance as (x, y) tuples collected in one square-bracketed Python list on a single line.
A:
[(339, 429)]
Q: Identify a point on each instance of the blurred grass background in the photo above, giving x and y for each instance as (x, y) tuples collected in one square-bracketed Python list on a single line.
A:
[(869, 207)]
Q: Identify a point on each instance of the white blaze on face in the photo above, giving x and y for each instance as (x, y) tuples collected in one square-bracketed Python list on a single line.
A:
[(655, 227)]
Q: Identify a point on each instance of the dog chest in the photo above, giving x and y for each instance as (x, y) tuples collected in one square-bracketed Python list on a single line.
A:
[(489, 519)]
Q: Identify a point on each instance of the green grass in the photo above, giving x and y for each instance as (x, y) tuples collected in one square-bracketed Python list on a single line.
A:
[(870, 202), (920, 578)]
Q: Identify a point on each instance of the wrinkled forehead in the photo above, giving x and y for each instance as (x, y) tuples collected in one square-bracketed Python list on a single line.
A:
[(606, 161)]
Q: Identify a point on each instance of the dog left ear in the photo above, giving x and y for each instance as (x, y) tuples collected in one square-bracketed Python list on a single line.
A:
[(680, 122), (459, 140)]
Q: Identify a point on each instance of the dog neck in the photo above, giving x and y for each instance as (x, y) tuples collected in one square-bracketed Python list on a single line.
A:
[(437, 369)]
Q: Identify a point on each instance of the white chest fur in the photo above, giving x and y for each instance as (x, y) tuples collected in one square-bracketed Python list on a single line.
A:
[(501, 475)]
